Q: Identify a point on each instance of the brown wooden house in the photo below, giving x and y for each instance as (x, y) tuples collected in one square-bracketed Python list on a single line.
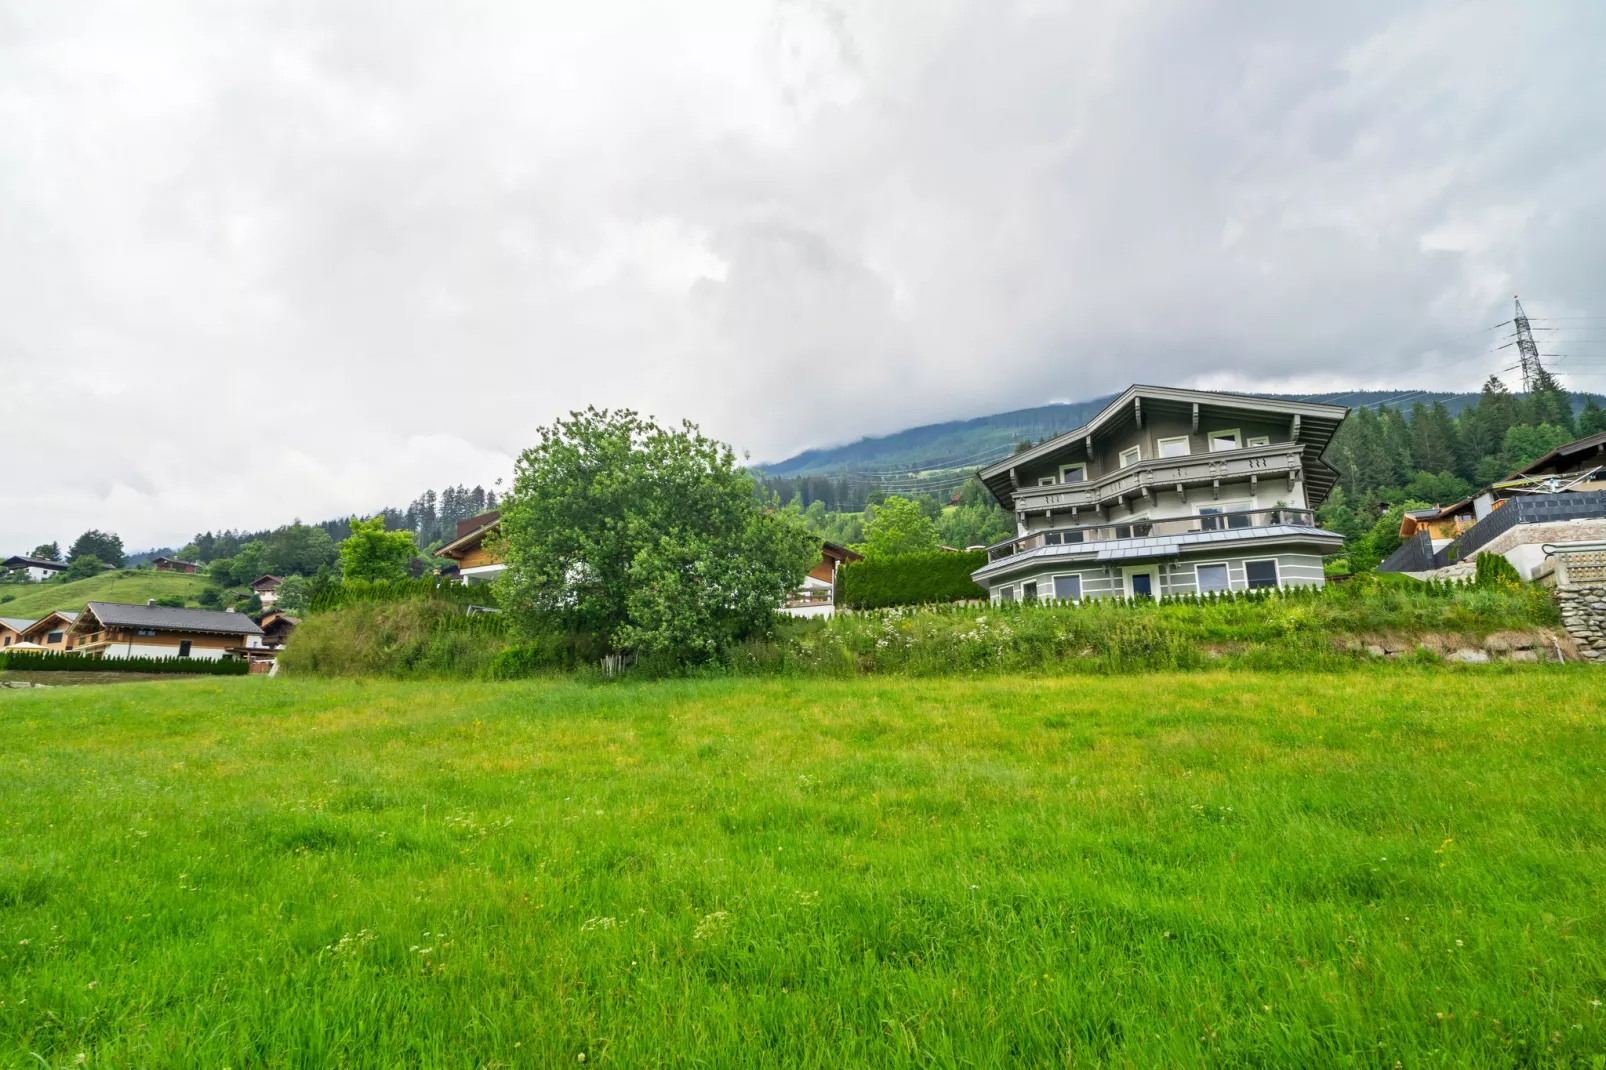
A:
[(476, 561), (116, 630), (11, 629), (53, 632), (173, 564)]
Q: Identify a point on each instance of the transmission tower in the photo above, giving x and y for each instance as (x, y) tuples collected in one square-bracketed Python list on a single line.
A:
[(1527, 350)]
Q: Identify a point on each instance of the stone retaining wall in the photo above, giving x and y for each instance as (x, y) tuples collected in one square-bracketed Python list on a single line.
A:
[(1583, 614)]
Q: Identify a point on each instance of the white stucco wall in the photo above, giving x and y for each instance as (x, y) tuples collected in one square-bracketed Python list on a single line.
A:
[(151, 650)]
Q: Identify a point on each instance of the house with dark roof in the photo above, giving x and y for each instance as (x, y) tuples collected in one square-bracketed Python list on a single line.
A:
[(37, 568), (267, 588), (11, 629), (1167, 492), (116, 630), (817, 596), (173, 564), (1544, 507), (476, 562)]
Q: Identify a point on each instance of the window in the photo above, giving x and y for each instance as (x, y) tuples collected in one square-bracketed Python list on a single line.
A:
[(1073, 473), (1212, 578), (184, 648), (8, 640), (1260, 440), (1045, 481), (1028, 592), (1174, 447), (145, 631), (1261, 573), (1131, 457), (1223, 440), (1068, 588), (1006, 594), (53, 637)]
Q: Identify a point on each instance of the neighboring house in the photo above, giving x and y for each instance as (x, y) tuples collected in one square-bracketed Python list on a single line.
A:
[(475, 562), (1557, 501), (37, 568), (173, 564), (11, 629), (816, 598), (267, 588), (276, 628), (52, 632), (1167, 492), (116, 630)]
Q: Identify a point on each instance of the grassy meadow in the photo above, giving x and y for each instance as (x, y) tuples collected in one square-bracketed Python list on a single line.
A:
[(1402, 867), (133, 586)]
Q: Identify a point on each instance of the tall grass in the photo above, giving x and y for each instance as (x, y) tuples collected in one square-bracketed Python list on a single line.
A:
[(417, 637), (1213, 869)]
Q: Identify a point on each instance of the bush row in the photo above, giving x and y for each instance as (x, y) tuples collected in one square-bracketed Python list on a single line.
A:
[(911, 579), (382, 592), (45, 661)]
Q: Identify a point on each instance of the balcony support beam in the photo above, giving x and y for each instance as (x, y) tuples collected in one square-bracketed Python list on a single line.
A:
[(1196, 417), (1215, 488), (1182, 492), (1137, 411), (1293, 430)]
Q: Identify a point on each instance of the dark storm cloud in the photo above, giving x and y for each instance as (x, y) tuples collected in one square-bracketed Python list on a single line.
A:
[(296, 259)]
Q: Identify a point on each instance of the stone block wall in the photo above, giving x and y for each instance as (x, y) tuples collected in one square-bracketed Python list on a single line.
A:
[(1583, 614)]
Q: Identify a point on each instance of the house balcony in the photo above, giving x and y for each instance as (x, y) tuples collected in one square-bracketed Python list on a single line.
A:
[(1195, 477)]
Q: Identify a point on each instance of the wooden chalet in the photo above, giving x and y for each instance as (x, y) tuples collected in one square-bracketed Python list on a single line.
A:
[(476, 561), (173, 564), (11, 629), (37, 568), (267, 588), (116, 630), (52, 632)]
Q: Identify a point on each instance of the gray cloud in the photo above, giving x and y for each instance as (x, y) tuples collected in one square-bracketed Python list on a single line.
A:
[(279, 260)]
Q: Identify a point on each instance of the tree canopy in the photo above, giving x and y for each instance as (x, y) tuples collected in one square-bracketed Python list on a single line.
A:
[(105, 547), (645, 538), (899, 526), (372, 553)]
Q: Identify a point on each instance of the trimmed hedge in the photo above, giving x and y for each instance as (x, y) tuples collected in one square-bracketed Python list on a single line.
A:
[(379, 592), (911, 579), (45, 661)]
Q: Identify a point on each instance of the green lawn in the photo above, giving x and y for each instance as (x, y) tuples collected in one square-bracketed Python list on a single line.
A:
[(1399, 868), (34, 600)]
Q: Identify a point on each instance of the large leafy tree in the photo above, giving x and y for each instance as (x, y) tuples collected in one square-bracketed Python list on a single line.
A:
[(297, 550), (372, 553), (104, 546), (47, 551), (900, 526), (640, 537)]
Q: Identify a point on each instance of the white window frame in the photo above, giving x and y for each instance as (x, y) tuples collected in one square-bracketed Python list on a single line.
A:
[(1198, 584), (1276, 572), (1077, 576), (1186, 446), (1080, 466), (1006, 593), (1258, 440), (1135, 452), (1237, 439), (1045, 481)]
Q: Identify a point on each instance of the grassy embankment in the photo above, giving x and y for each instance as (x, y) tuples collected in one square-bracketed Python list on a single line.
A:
[(1324, 631), (1215, 868), (133, 586)]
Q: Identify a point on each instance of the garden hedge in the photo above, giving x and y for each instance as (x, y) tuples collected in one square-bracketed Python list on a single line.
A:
[(44, 661), (911, 579)]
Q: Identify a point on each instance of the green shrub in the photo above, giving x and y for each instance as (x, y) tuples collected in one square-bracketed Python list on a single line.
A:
[(172, 601), (361, 592), (1494, 570), (414, 637), (911, 579), (46, 661)]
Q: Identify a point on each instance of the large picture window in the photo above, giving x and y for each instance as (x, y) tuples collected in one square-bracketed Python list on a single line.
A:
[(1224, 440), (1068, 588), (1073, 473), (1174, 447), (1212, 578), (1261, 573)]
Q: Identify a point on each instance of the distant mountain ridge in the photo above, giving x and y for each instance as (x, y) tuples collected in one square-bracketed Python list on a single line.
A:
[(984, 439)]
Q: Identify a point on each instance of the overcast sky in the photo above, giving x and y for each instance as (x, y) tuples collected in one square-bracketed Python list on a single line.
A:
[(260, 261)]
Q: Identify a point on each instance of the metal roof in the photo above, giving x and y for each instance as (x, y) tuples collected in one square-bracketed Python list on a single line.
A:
[(16, 624), (23, 561), (172, 619)]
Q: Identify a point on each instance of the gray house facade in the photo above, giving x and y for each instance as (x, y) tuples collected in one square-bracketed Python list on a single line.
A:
[(1167, 492)]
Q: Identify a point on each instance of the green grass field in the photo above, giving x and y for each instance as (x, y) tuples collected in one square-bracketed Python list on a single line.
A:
[(1391, 868), (34, 600)]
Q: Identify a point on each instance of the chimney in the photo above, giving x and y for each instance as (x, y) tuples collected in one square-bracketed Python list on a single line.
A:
[(151, 602)]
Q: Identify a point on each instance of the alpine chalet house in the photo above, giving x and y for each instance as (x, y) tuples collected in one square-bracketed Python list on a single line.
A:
[(476, 563), (36, 569), (1167, 492), (51, 633), (115, 630)]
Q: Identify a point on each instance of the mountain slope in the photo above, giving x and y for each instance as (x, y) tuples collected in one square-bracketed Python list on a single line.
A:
[(980, 441)]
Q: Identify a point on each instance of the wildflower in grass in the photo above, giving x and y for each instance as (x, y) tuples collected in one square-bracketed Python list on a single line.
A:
[(711, 925), (592, 924)]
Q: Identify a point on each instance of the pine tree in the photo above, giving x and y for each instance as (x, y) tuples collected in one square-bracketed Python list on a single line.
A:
[(1432, 439), (1549, 403), (1397, 444), (1592, 421)]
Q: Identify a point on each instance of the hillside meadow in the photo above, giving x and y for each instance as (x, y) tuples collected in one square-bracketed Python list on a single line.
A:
[(131, 586), (1391, 868)]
